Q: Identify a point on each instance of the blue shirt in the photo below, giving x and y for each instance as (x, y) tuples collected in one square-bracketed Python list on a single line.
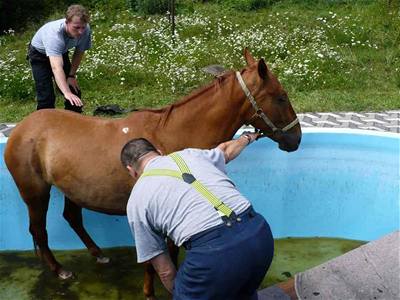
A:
[(52, 39), (161, 206)]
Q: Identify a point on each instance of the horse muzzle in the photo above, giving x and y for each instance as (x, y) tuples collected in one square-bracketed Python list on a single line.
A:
[(286, 141)]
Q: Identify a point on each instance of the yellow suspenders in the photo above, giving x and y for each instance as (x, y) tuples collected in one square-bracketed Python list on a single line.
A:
[(185, 175)]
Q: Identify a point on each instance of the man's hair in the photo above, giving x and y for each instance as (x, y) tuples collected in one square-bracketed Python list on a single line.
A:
[(79, 11), (134, 150)]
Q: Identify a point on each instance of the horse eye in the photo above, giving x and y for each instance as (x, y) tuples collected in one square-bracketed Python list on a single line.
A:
[(282, 99)]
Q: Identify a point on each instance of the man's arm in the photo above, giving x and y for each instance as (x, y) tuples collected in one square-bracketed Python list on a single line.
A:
[(56, 63), (232, 149), (75, 62), (165, 269)]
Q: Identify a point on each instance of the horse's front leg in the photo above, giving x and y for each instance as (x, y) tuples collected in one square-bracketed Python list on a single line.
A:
[(148, 281), (73, 214), (149, 272), (173, 252)]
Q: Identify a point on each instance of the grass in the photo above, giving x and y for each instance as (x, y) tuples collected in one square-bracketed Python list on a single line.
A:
[(329, 55)]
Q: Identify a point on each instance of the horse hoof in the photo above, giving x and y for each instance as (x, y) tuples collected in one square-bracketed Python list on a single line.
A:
[(102, 260), (62, 274)]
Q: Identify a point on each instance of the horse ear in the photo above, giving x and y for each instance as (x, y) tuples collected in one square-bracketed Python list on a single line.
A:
[(262, 69), (249, 58)]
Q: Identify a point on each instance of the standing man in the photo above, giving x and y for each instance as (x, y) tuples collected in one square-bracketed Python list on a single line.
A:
[(188, 197), (48, 56)]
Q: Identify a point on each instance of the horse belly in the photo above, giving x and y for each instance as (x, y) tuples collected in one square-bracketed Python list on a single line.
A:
[(101, 197)]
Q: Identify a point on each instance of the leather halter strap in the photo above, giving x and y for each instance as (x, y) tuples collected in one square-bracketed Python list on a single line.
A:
[(259, 112)]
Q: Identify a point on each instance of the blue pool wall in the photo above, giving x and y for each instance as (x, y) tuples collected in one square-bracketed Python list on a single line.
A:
[(338, 184)]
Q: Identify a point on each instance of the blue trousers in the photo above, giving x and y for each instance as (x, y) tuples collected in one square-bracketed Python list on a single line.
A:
[(226, 262), (43, 76)]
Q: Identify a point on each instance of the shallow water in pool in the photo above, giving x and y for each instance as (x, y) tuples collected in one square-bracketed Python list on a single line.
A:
[(22, 275)]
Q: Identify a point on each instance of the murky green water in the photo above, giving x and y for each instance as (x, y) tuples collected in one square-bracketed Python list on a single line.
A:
[(22, 275)]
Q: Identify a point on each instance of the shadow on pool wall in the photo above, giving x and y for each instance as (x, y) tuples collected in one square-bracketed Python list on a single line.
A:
[(336, 185)]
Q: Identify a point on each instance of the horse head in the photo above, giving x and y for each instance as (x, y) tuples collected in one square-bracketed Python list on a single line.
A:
[(268, 108)]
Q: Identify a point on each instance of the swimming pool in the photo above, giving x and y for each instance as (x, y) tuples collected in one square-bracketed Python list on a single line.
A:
[(340, 183)]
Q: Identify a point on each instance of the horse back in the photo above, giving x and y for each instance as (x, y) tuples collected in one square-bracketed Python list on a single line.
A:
[(78, 154)]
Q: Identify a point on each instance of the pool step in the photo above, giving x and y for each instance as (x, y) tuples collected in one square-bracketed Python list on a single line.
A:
[(273, 293), (281, 291), (367, 272), (371, 271)]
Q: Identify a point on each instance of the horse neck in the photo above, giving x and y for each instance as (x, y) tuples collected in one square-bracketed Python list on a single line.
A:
[(205, 118)]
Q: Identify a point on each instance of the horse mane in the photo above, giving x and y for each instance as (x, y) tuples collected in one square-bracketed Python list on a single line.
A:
[(194, 94), (217, 82), (165, 111)]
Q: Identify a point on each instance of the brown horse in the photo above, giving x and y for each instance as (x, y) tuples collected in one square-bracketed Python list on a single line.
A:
[(81, 155)]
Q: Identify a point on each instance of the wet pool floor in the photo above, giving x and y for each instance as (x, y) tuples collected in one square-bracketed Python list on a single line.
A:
[(22, 275)]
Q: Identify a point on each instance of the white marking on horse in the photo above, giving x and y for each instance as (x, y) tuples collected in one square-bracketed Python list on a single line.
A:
[(125, 130)]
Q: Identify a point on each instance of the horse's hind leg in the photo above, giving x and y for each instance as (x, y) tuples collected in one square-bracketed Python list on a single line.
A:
[(73, 214), (37, 199)]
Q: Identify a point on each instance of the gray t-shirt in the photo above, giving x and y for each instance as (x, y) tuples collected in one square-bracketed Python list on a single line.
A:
[(52, 39), (161, 206)]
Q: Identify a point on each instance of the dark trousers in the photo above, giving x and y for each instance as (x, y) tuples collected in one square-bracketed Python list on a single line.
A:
[(43, 76), (227, 262)]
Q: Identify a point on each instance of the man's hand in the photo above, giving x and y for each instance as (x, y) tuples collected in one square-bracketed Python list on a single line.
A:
[(56, 63), (250, 136), (73, 99), (232, 149)]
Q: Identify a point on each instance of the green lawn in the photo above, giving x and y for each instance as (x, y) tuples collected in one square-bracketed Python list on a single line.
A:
[(329, 55)]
